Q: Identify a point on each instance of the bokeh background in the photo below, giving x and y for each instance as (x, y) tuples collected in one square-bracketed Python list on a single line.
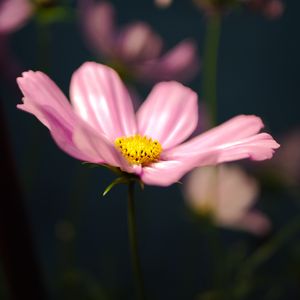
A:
[(80, 238)]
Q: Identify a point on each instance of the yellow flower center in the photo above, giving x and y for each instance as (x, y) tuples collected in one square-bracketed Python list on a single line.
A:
[(139, 150)]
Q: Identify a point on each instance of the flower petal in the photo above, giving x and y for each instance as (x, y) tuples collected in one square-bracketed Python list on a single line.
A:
[(96, 145), (98, 24), (138, 43), (39, 89), (44, 99), (169, 114), (180, 63), (257, 147), (14, 14), (254, 222), (235, 139), (165, 173), (61, 131), (100, 98)]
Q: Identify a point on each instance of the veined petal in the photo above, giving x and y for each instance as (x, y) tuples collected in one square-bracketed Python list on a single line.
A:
[(180, 63), (258, 147), (98, 23), (228, 142), (165, 173), (87, 140), (76, 138), (235, 129), (60, 129), (175, 163), (169, 114), (39, 89), (101, 99), (45, 100)]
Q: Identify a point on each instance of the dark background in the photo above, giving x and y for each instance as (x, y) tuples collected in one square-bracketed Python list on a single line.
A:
[(258, 73)]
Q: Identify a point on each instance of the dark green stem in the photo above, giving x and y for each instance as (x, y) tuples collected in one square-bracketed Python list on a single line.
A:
[(263, 253), (244, 277), (134, 243), (210, 62)]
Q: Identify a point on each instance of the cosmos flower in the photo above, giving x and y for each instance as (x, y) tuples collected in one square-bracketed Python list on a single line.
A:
[(100, 126), (135, 50), (14, 14), (227, 194), (163, 3), (271, 9)]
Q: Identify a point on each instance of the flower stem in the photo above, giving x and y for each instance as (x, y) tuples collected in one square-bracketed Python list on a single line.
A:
[(134, 243), (209, 85), (267, 250)]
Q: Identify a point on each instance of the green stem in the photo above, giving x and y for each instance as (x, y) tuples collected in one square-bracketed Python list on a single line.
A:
[(134, 243), (210, 62), (263, 253), (247, 270)]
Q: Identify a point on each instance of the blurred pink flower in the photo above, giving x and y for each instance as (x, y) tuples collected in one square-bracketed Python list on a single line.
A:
[(228, 194), (13, 15), (269, 8), (163, 3), (135, 48), (101, 127)]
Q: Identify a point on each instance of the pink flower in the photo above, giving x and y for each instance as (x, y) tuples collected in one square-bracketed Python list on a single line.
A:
[(269, 8), (100, 126), (135, 48), (163, 3), (14, 14), (228, 194)]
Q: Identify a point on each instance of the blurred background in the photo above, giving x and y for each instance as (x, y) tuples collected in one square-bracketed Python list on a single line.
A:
[(60, 239)]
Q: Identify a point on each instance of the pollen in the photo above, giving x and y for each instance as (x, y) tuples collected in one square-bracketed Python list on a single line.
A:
[(139, 150)]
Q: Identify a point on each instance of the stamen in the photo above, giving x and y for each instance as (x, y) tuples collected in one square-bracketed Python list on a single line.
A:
[(139, 150)]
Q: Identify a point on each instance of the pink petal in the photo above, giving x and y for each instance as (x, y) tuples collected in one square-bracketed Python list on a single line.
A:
[(233, 130), (274, 9), (98, 24), (89, 141), (137, 42), (44, 99), (61, 131), (180, 63), (14, 14), (100, 98), (169, 115), (235, 139), (165, 173), (39, 89), (254, 222), (257, 147)]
